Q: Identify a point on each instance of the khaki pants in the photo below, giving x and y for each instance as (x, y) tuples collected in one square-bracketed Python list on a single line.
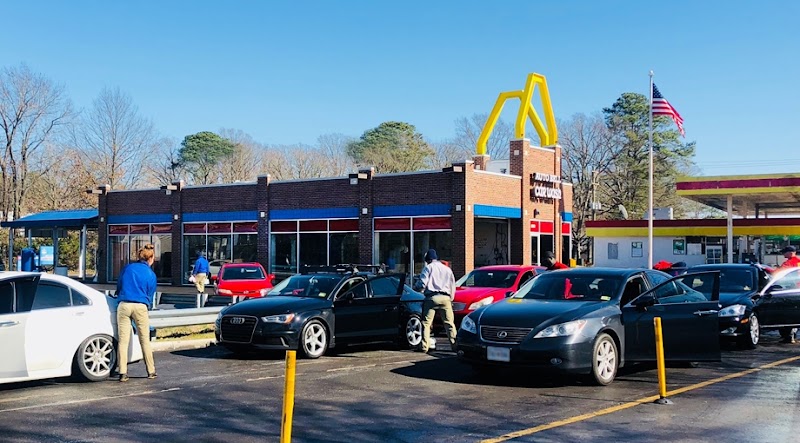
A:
[(200, 281), (442, 303), (138, 312)]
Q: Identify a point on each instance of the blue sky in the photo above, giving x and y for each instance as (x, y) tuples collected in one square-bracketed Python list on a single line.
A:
[(286, 72)]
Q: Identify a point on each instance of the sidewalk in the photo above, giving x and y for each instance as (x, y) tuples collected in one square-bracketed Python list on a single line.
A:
[(181, 345)]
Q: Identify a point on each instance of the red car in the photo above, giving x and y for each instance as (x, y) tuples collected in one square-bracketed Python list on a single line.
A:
[(489, 284), (243, 280)]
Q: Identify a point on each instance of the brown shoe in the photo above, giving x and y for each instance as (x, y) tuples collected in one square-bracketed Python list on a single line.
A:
[(152, 376), (123, 378)]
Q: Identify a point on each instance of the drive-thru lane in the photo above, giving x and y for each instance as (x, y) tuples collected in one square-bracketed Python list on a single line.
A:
[(374, 393)]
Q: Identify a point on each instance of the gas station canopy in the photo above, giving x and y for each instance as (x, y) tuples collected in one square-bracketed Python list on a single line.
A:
[(758, 195)]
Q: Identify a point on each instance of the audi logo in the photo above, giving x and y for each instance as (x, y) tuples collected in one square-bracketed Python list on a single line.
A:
[(502, 334), (240, 321)]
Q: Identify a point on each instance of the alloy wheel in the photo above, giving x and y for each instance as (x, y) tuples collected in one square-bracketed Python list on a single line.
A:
[(755, 330), (606, 361), (414, 331), (98, 356), (315, 340)]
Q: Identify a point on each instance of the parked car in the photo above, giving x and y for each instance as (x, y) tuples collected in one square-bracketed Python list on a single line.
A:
[(52, 326), (240, 281), (593, 321), (322, 309), (739, 288), (214, 267), (489, 284), (778, 304)]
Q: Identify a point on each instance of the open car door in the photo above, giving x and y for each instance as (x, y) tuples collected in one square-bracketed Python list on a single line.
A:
[(688, 306)]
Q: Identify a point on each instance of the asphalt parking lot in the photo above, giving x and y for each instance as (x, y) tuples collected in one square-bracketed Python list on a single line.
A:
[(378, 394)]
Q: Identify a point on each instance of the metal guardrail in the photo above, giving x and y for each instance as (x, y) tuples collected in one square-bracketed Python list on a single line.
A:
[(169, 318)]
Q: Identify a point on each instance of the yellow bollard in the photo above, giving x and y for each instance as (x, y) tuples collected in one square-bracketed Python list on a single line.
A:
[(662, 373), (288, 397)]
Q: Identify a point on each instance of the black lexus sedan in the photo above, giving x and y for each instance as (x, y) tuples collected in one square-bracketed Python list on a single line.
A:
[(739, 288), (593, 321), (315, 311)]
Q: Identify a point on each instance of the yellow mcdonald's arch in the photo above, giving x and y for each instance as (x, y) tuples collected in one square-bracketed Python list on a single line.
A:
[(548, 135)]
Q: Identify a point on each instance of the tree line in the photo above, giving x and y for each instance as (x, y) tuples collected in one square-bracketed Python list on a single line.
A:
[(53, 152)]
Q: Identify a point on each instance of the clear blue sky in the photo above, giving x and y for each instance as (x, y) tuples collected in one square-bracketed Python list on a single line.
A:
[(286, 72)]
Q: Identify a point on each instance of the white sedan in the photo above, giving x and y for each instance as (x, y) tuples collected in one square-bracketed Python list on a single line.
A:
[(52, 326)]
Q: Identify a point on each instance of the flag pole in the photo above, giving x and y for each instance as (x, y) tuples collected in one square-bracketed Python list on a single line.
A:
[(650, 181)]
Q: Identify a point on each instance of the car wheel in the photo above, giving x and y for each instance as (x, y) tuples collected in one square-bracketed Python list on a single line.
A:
[(412, 334), (605, 360), (96, 357), (313, 339), (751, 339)]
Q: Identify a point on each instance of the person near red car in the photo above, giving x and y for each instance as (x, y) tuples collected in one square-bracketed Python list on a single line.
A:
[(792, 261), (551, 263)]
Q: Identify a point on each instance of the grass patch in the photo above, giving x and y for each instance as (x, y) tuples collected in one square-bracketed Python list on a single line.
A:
[(185, 332)]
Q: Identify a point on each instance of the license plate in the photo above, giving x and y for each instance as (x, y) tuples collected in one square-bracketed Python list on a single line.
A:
[(498, 354)]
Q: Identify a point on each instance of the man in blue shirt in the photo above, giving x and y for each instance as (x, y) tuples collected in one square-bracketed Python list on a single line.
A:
[(135, 290), (200, 274)]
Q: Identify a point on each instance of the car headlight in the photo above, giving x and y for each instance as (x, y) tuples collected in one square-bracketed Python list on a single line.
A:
[(562, 329), (283, 318), (733, 311), (484, 302), (469, 325)]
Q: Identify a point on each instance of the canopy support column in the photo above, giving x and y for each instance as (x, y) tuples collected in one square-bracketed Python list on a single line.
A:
[(730, 229), (82, 258)]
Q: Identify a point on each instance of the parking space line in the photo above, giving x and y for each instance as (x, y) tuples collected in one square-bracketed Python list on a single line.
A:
[(87, 400), (611, 410)]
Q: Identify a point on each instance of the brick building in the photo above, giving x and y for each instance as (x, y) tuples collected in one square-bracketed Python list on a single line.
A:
[(470, 216)]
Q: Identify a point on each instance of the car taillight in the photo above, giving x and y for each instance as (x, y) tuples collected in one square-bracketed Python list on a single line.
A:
[(264, 292), (224, 292)]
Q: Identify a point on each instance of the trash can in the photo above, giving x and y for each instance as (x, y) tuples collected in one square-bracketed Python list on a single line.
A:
[(61, 270)]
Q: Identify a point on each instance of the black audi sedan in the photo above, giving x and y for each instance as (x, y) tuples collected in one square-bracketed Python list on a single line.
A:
[(739, 288), (593, 321), (315, 311)]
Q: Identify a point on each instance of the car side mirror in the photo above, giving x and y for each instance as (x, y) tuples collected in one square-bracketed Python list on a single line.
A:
[(772, 289), (645, 301), (509, 294)]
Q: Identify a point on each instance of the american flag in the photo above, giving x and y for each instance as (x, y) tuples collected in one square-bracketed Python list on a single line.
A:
[(662, 107)]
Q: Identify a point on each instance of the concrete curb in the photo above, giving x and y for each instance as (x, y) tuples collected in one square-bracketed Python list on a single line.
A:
[(181, 345)]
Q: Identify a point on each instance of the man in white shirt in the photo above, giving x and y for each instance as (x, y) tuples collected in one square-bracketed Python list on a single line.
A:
[(439, 286)]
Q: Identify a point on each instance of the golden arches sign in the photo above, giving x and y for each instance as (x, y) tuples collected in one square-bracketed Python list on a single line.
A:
[(548, 134)]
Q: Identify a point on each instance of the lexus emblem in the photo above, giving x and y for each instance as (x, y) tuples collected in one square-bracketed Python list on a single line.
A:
[(240, 321), (502, 334)]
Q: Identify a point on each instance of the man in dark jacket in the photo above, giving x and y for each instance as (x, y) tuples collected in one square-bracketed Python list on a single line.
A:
[(551, 262)]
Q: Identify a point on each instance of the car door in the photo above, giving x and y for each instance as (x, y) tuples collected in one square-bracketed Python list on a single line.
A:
[(353, 311), (385, 291), (688, 306), (779, 303), (53, 309), (16, 298)]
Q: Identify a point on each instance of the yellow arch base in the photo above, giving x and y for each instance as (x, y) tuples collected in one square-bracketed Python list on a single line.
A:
[(548, 135)]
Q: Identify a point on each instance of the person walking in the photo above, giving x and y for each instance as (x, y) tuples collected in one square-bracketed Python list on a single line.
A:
[(438, 284), (135, 289), (551, 263), (200, 274), (792, 261)]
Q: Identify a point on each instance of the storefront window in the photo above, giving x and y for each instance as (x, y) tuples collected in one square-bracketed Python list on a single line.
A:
[(343, 248), (137, 242), (219, 248), (534, 250), (441, 241), (283, 254), (565, 249), (313, 249), (163, 262), (192, 246), (245, 248), (118, 254), (393, 250)]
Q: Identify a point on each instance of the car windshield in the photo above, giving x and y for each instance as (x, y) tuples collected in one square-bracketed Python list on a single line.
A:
[(484, 278), (306, 286), (242, 273), (584, 287)]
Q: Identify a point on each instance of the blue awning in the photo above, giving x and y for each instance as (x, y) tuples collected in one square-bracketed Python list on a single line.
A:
[(73, 218)]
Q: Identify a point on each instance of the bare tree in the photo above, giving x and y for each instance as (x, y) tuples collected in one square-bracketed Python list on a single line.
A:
[(164, 166), (60, 182), (469, 129), (587, 154), (445, 153), (32, 109), (333, 148), (244, 163), (114, 139)]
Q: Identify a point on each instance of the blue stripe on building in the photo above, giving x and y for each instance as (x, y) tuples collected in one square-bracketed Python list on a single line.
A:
[(220, 216), (411, 210), (497, 211), (303, 214), (139, 218), (566, 216)]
